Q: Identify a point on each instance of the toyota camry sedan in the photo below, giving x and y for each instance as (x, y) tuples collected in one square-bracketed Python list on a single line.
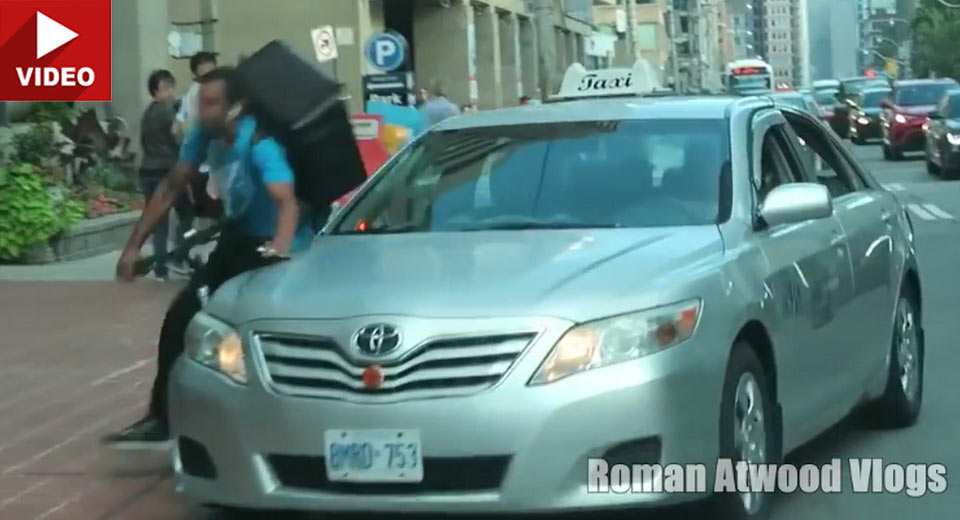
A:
[(643, 280)]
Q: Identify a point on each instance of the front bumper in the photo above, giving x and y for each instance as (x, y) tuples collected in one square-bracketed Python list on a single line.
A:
[(512, 448), (906, 137)]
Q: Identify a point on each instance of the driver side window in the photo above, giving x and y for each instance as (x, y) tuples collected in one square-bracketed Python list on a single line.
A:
[(774, 166), (823, 163)]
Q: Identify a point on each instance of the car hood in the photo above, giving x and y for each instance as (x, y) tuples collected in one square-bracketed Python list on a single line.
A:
[(920, 110), (953, 124), (561, 273)]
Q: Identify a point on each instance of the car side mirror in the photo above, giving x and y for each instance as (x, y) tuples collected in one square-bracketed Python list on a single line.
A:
[(935, 115), (796, 202)]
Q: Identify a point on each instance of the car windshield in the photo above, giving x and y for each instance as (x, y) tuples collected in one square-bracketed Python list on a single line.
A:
[(856, 85), (953, 110), (791, 100), (918, 95), (647, 173), (872, 99), (826, 98), (750, 83)]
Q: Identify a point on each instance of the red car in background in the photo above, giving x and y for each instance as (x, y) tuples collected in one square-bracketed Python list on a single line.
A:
[(904, 114)]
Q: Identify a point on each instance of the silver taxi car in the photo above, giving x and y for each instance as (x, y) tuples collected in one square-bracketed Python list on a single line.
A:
[(644, 280)]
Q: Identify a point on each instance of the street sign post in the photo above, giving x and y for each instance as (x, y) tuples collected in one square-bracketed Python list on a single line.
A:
[(386, 51)]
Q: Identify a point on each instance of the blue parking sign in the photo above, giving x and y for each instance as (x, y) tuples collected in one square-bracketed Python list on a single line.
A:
[(386, 51)]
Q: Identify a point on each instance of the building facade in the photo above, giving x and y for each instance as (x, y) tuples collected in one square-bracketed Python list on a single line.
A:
[(780, 43), (486, 51), (650, 35)]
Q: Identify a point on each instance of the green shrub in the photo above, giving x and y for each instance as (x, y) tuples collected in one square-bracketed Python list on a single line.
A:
[(31, 209), (35, 146), (48, 112)]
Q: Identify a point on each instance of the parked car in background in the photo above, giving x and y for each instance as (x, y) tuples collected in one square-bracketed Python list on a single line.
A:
[(850, 87), (942, 137), (906, 111), (864, 108)]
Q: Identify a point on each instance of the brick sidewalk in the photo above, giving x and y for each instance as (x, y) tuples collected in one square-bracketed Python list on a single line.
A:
[(76, 361)]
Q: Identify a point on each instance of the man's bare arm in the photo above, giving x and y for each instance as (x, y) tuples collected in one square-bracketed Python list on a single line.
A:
[(159, 205), (288, 215)]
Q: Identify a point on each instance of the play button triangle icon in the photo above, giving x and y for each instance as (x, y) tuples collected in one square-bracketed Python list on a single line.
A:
[(51, 35)]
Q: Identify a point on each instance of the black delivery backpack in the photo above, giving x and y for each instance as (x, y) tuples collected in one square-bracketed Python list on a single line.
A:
[(300, 106)]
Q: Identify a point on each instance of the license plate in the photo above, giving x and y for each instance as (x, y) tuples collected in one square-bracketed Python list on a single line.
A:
[(373, 455)]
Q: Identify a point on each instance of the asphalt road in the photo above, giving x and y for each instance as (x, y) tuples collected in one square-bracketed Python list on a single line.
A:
[(81, 355)]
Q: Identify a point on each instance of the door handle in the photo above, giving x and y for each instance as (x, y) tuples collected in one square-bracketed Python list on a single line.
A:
[(886, 216), (837, 239)]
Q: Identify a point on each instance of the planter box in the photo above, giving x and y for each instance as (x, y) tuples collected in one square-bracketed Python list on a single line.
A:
[(85, 239)]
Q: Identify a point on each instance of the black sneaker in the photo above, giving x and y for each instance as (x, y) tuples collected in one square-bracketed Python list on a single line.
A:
[(147, 433)]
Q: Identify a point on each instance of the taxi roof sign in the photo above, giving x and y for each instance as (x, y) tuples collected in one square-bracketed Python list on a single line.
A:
[(578, 82)]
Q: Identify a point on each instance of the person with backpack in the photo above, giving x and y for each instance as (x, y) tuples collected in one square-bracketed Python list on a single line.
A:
[(263, 223)]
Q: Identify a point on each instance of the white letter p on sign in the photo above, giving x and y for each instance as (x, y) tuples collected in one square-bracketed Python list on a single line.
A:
[(384, 49)]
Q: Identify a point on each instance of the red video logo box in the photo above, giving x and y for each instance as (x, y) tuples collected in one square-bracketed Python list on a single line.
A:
[(55, 50)]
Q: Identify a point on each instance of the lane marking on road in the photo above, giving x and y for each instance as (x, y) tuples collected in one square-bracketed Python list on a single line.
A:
[(87, 430), (19, 495), (933, 208), (113, 375), (920, 212), (895, 186)]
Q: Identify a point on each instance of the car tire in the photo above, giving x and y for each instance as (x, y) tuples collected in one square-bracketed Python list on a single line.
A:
[(236, 513), (859, 140), (746, 392), (891, 154), (932, 168), (899, 406)]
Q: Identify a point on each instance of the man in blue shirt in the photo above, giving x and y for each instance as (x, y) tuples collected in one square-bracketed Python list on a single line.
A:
[(263, 223)]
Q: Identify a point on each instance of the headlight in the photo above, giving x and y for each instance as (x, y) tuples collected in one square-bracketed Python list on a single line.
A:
[(216, 345), (619, 338), (953, 139), (863, 121), (900, 118)]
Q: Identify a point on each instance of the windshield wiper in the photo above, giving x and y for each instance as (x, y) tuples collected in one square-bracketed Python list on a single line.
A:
[(537, 224)]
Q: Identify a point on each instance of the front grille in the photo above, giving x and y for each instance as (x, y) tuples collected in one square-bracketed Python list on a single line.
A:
[(440, 474), (317, 367)]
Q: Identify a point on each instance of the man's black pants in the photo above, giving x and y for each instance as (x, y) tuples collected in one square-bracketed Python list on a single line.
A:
[(234, 254)]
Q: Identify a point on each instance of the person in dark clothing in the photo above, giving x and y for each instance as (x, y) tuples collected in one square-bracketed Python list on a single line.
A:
[(160, 150), (263, 224)]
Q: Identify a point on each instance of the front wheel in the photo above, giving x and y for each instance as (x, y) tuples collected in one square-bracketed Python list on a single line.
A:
[(747, 430), (932, 168), (891, 154), (899, 406)]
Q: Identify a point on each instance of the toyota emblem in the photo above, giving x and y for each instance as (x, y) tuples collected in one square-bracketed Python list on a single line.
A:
[(377, 340)]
